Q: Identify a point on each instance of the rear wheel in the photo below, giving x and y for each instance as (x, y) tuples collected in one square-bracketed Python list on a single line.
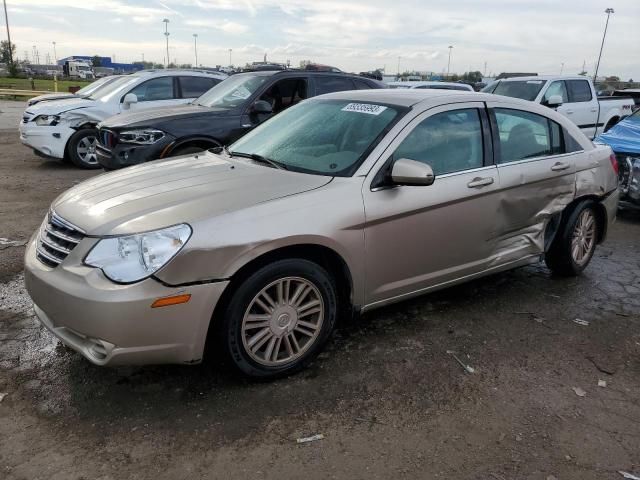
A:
[(81, 148), (575, 242), (279, 318)]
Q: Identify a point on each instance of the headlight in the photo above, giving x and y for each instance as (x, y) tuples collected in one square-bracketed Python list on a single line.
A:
[(47, 120), (146, 136), (131, 258)]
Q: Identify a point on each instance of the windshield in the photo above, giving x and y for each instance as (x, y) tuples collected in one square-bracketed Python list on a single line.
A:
[(93, 86), (113, 88), (398, 86), (232, 92), (524, 89), (323, 137), (83, 67)]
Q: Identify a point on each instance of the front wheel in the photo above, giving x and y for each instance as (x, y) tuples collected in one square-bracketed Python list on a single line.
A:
[(279, 318), (575, 242), (81, 148)]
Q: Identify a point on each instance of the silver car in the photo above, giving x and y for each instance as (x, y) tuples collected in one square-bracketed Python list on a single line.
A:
[(345, 202)]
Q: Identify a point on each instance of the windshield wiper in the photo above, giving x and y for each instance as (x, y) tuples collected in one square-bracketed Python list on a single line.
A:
[(257, 158)]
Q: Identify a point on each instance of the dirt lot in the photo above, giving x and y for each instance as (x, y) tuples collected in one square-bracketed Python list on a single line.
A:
[(389, 400)]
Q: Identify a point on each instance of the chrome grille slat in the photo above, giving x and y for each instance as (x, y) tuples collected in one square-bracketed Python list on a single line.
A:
[(60, 235), (56, 240)]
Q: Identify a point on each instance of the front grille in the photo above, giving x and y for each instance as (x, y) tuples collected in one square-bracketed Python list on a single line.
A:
[(107, 138), (56, 240)]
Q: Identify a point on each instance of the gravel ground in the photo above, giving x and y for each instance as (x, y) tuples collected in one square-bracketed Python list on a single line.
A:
[(388, 398)]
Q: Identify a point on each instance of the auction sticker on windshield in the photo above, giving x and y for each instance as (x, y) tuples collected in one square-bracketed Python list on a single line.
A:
[(364, 108)]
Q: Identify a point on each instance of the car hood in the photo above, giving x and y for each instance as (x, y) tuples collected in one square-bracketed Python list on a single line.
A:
[(56, 107), (167, 192), (158, 115), (50, 96), (624, 137)]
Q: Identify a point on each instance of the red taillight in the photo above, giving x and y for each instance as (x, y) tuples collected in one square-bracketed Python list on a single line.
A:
[(614, 163)]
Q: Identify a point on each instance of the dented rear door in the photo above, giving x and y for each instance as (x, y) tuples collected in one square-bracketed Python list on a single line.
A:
[(537, 180)]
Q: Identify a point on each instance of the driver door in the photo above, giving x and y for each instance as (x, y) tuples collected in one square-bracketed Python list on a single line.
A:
[(157, 92), (419, 237)]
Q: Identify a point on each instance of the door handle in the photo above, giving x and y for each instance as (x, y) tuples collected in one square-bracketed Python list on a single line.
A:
[(569, 112), (480, 182), (594, 110), (558, 167)]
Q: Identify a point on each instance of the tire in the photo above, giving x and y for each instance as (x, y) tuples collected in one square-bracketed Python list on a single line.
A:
[(575, 241), (186, 151), (81, 149), (264, 342)]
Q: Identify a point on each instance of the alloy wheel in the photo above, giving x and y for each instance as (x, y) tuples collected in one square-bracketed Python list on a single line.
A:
[(283, 321), (86, 150), (584, 237)]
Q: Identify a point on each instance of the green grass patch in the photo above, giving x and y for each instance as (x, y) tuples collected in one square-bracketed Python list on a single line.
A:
[(41, 84)]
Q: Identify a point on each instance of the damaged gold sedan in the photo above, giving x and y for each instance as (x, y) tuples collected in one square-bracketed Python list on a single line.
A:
[(345, 202)]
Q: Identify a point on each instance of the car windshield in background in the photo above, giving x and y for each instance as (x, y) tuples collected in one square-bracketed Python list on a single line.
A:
[(113, 88), (525, 89), (323, 137), (95, 85), (398, 86), (232, 92)]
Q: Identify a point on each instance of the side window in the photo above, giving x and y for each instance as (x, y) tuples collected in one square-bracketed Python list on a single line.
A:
[(332, 84), (285, 93), (570, 143), (555, 131), (155, 89), (362, 85), (448, 142), (522, 135), (579, 91), (193, 87), (556, 88)]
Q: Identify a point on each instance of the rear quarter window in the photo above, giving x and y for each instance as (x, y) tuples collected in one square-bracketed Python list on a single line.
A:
[(193, 87)]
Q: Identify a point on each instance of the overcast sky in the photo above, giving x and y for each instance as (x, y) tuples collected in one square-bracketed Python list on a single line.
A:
[(354, 35)]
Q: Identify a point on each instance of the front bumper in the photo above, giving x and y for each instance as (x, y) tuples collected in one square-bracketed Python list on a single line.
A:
[(48, 141), (123, 155), (113, 324)]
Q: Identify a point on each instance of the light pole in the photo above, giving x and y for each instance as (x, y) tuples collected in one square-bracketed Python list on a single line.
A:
[(398, 68), (55, 54), (608, 11), (561, 68), (449, 62), (230, 50), (6, 19), (166, 34), (195, 46)]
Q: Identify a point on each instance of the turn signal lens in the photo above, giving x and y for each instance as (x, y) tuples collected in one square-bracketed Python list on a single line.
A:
[(167, 301)]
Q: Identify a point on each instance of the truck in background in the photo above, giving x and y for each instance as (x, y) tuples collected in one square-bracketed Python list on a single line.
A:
[(78, 69), (572, 96)]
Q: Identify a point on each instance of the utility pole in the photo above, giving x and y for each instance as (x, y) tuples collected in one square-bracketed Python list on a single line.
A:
[(6, 19), (449, 63), (230, 50), (55, 54), (584, 64), (485, 69), (166, 34), (398, 67), (195, 46), (561, 68), (608, 11)]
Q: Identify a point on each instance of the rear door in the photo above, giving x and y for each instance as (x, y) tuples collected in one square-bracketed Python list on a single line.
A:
[(537, 179), (582, 107)]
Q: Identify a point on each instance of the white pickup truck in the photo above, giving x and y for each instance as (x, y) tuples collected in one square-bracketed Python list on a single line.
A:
[(574, 97)]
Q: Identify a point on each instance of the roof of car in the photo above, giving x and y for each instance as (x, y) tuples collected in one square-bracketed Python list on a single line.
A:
[(178, 71), (407, 97), (543, 78), (417, 83), (301, 72)]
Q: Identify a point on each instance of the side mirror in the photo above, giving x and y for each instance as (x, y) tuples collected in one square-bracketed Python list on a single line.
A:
[(129, 99), (412, 173), (554, 101), (262, 106)]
